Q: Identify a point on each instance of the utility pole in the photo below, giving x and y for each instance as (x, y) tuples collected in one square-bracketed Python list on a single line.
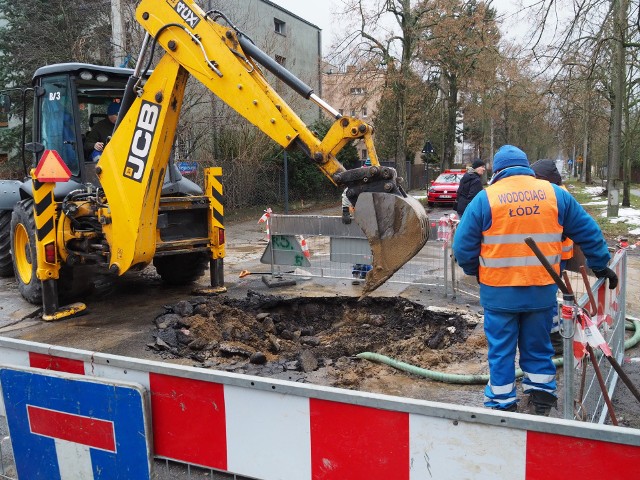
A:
[(117, 33)]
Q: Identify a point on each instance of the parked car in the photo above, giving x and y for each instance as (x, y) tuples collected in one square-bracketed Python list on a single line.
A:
[(444, 189)]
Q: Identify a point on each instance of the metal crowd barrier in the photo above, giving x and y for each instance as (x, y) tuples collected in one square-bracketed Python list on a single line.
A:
[(323, 246), (611, 314), (592, 406)]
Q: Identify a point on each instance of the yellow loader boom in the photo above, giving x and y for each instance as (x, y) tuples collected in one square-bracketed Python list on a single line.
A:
[(133, 164)]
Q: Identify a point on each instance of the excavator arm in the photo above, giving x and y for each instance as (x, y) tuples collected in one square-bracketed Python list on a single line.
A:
[(131, 169)]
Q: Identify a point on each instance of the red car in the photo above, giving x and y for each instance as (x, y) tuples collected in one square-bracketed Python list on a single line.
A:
[(444, 189)]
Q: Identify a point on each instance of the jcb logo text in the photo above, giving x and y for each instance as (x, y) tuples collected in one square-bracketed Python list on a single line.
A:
[(142, 141)]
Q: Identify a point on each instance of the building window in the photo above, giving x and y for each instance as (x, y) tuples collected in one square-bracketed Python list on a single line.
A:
[(363, 154), (279, 26), (341, 112), (281, 60), (364, 112), (358, 91), (353, 112)]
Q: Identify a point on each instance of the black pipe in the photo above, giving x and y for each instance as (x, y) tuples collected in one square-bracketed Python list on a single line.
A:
[(545, 263), (127, 99), (24, 131), (274, 67)]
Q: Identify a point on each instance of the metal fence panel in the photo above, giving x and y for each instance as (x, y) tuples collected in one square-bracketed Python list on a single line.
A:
[(336, 248)]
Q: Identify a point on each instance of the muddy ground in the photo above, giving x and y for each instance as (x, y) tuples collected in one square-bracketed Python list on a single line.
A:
[(305, 339), (310, 332)]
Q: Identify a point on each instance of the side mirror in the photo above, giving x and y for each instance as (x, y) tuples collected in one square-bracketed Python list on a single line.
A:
[(34, 147)]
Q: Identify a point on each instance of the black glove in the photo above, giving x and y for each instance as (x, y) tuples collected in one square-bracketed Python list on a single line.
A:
[(346, 217), (607, 273)]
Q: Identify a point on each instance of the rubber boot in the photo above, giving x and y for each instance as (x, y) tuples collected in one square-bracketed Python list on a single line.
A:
[(540, 402), (513, 407), (346, 216), (556, 342)]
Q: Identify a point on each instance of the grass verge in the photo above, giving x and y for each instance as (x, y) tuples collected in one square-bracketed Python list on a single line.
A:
[(615, 227)]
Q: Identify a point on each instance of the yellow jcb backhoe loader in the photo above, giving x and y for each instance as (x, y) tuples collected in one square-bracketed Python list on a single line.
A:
[(132, 207)]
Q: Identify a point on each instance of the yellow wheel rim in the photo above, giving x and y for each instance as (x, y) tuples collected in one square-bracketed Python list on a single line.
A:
[(22, 254)]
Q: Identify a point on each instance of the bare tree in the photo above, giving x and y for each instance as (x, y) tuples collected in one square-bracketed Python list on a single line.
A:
[(460, 40), (386, 32), (600, 28)]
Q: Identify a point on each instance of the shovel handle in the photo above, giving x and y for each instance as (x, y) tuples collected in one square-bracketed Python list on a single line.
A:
[(567, 282), (603, 387), (587, 284), (545, 263), (624, 377)]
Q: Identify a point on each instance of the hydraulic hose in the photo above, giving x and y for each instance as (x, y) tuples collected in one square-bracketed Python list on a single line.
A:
[(470, 379), (633, 324)]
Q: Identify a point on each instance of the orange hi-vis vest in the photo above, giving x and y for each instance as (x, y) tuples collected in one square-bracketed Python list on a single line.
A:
[(567, 243), (521, 207)]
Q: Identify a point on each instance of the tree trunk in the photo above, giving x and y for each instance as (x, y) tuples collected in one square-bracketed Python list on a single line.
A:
[(618, 76), (626, 156), (401, 112), (452, 120), (585, 174)]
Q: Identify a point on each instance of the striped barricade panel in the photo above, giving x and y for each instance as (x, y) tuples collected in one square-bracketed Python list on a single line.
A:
[(272, 429)]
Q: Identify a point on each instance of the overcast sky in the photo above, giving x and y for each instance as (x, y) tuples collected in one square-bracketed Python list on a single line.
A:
[(317, 12)]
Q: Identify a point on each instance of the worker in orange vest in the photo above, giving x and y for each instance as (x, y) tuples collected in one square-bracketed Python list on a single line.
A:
[(516, 291), (546, 170)]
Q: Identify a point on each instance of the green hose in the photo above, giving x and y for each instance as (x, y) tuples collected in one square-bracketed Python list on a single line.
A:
[(635, 338), (469, 379)]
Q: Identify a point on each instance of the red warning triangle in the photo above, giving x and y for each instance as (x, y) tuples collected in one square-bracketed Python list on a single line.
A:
[(51, 168)]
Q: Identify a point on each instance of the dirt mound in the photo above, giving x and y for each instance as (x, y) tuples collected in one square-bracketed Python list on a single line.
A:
[(293, 337)]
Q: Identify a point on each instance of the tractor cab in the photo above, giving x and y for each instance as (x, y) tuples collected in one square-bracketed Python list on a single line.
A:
[(70, 98)]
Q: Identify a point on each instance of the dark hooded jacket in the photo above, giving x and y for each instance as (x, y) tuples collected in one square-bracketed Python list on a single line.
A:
[(470, 186)]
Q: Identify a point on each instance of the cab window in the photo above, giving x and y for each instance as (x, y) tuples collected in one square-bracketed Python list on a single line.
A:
[(57, 127)]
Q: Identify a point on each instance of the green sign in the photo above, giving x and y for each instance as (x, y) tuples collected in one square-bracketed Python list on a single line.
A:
[(284, 250)]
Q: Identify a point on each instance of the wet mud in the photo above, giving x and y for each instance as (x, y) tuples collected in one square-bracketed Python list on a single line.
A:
[(309, 339)]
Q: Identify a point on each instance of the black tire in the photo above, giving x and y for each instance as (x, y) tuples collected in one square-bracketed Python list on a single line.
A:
[(431, 204), (6, 264), (181, 269), (76, 282), (23, 246)]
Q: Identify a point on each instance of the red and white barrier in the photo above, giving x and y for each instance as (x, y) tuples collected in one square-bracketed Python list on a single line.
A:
[(273, 429), (305, 247), (266, 219)]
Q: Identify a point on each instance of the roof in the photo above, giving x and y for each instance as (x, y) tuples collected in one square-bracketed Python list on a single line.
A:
[(77, 67)]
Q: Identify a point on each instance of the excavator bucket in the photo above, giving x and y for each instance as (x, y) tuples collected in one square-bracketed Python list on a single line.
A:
[(396, 227)]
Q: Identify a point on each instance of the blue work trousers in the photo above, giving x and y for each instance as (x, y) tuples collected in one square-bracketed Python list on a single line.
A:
[(529, 332)]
